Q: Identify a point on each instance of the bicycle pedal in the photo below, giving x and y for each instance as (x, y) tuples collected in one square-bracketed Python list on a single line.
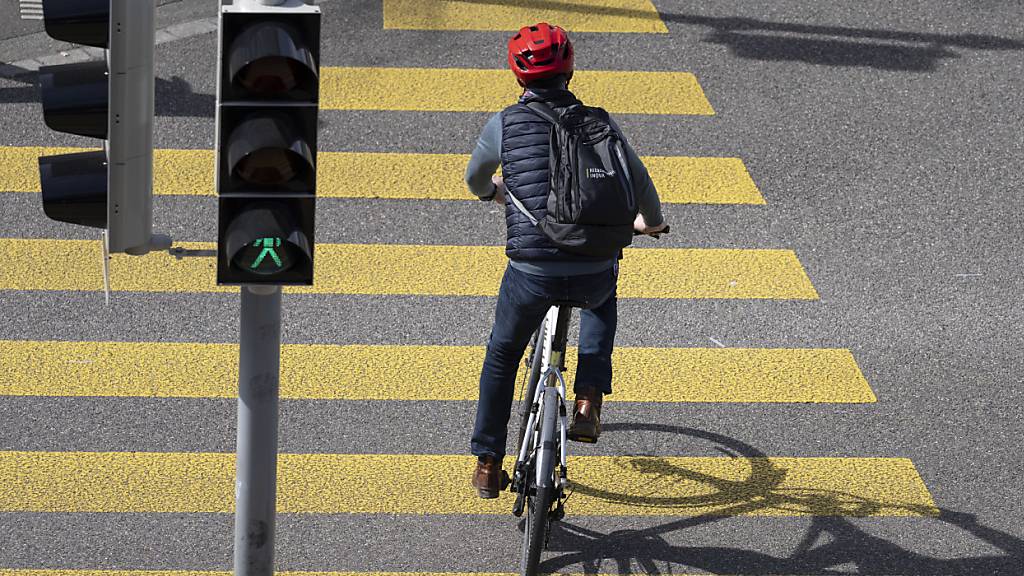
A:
[(505, 480)]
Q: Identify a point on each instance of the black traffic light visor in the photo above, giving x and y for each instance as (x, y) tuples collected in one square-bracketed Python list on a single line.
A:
[(78, 21), (74, 188), (265, 152), (270, 60), (266, 241), (76, 98)]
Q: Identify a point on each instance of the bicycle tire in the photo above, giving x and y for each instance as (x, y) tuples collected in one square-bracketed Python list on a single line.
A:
[(535, 530), (538, 506)]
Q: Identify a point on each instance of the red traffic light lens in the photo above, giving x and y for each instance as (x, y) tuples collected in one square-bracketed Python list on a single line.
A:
[(272, 60)]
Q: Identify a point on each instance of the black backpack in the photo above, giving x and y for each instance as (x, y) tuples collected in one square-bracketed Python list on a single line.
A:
[(591, 204)]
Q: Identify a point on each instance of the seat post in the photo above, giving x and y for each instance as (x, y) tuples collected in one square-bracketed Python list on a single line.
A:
[(561, 336)]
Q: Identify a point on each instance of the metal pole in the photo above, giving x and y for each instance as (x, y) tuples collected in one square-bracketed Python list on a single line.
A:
[(259, 370)]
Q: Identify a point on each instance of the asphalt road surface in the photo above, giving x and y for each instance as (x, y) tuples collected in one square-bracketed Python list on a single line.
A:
[(829, 382)]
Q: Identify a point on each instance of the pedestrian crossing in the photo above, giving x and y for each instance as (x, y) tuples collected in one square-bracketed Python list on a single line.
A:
[(140, 482), (424, 373), (436, 485), (476, 90), (391, 269), (394, 175), (637, 16)]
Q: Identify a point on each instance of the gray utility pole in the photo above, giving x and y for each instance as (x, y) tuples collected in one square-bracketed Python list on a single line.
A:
[(259, 370)]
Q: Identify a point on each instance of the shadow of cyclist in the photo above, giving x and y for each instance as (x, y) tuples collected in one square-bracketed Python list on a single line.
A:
[(831, 541)]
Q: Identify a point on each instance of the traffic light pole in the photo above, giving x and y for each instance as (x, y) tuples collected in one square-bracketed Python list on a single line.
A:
[(268, 94), (259, 372)]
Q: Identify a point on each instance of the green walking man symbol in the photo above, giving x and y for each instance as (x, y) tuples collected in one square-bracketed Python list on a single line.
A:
[(268, 245)]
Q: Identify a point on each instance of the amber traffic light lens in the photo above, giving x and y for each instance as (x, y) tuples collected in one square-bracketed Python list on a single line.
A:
[(269, 167)]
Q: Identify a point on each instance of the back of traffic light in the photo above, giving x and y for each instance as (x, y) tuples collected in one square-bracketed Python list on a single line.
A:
[(267, 106), (110, 99)]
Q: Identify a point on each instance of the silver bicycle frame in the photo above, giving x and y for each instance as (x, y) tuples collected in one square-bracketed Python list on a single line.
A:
[(546, 400)]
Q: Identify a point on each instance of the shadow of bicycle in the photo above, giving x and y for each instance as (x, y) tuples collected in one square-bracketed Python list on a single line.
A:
[(832, 540)]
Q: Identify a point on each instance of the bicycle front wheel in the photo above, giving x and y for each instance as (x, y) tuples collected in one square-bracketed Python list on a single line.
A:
[(535, 532)]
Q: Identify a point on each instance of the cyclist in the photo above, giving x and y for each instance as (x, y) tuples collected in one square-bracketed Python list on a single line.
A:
[(539, 273)]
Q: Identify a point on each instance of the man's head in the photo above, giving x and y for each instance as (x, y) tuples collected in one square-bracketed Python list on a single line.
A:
[(539, 54)]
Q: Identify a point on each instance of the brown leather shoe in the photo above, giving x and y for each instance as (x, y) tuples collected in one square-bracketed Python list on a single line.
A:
[(488, 476), (586, 416)]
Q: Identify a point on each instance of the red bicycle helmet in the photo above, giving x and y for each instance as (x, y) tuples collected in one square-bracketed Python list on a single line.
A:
[(540, 51)]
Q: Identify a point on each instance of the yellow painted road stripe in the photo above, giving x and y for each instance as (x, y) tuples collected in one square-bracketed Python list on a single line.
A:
[(361, 372), (679, 179), (436, 484), (638, 16), (476, 90), (385, 269)]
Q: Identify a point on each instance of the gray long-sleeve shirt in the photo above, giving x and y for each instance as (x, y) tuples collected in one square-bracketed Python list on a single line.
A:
[(485, 161)]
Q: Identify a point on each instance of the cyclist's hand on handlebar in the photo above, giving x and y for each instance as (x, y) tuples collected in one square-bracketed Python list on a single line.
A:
[(499, 184), (641, 227)]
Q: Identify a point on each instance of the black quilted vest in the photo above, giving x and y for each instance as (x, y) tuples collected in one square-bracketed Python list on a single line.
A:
[(525, 150)]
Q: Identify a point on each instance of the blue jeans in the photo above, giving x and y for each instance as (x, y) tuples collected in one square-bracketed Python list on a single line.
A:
[(523, 301)]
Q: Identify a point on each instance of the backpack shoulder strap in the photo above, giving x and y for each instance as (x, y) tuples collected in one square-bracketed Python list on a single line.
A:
[(543, 110)]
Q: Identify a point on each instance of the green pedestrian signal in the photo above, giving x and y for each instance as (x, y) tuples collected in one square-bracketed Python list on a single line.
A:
[(268, 94), (269, 245)]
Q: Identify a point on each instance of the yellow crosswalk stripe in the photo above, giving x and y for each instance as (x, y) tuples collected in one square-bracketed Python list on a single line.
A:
[(491, 90), (387, 269), (638, 16), (679, 179), (363, 372), (438, 484)]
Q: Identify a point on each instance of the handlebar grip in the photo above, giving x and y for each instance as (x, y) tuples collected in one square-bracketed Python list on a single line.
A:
[(654, 235)]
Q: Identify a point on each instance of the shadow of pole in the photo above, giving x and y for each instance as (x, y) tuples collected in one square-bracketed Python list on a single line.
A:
[(173, 97), (752, 38)]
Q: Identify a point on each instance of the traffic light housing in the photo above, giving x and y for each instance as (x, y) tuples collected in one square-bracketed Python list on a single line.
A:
[(267, 106), (110, 99)]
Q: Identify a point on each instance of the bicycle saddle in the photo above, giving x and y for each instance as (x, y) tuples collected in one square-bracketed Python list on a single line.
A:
[(571, 304)]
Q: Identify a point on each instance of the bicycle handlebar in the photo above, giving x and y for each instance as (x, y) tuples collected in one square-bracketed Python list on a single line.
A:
[(653, 234)]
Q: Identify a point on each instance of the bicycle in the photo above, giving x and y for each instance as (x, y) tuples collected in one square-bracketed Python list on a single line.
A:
[(539, 486)]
